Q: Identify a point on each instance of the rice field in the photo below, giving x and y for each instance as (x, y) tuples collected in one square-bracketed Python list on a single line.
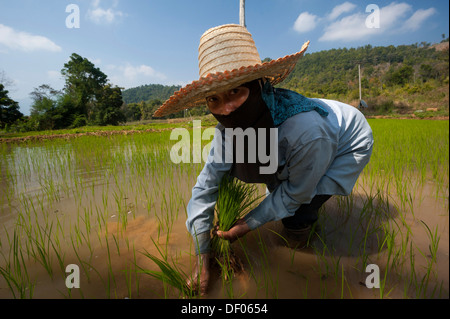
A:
[(108, 204)]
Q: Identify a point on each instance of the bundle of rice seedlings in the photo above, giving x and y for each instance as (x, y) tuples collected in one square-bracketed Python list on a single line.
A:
[(235, 199)]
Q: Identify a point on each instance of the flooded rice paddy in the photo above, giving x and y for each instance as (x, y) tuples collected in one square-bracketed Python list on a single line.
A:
[(103, 202)]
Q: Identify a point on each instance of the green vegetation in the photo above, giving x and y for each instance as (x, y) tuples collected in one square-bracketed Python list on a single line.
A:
[(141, 102), (110, 204), (170, 274), (394, 80), (235, 199), (407, 80), (86, 99), (149, 92), (9, 109)]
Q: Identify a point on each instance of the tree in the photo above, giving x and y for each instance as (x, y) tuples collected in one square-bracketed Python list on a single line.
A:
[(400, 76), (44, 91), (44, 110), (108, 106), (97, 102), (131, 111), (426, 72), (149, 92), (66, 106), (9, 109), (84, 82)]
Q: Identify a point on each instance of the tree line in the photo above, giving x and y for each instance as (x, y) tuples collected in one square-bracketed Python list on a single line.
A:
[(89, 99), (86, 99)]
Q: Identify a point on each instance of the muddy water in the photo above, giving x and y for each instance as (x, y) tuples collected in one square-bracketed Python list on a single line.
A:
[(105, 222)]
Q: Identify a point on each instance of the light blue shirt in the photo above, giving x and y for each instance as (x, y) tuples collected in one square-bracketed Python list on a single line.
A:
[(317, 155)]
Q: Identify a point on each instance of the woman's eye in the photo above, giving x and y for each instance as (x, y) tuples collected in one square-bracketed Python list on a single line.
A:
[(234, 91), (211, 99)]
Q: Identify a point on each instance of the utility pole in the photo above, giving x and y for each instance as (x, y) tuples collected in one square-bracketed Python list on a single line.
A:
[(359, 71), (362, 103), (242, 13)]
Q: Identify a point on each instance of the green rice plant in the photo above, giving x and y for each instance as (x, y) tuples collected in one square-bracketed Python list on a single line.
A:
[(82, 263), (111, 276), (128, 273), (227, 274), (434, 241), (170, 274), (15, 272), (390, 243), (270, 284), (235, 199), (286, 242), (136, 273), (93, 175), (250, 264)]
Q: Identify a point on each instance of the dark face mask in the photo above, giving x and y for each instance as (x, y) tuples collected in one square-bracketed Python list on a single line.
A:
[(252, 113)]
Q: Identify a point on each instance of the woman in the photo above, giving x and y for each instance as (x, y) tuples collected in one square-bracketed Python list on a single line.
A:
[(322, 145)]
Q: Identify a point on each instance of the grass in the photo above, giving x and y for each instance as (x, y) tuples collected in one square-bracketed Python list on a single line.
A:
[(114, 203)]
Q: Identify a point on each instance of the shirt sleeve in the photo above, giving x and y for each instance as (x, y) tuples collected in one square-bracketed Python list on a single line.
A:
[(200, 209), (306, 165)]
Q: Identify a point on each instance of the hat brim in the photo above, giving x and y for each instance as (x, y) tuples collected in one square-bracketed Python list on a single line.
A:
[(195, 93)]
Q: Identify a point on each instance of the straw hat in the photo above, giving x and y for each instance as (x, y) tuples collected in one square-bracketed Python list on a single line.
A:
[(227, 58)]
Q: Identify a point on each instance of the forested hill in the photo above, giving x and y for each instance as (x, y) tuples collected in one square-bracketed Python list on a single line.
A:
[(148, 92), (336, 71), (394, 79)]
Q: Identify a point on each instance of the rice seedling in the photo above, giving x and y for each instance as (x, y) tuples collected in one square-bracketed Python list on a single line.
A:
[(235, 199), (434, 241), (15, 272), (170, 274), (81, 200)]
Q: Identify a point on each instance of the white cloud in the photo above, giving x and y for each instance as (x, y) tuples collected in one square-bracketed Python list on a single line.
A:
[(393, 14), (353, 27), (348, 28), (305, 22), (23, 41), (341, 25), (100, 15), (340, 9), (415, 21), (129, 76), (131, 71)]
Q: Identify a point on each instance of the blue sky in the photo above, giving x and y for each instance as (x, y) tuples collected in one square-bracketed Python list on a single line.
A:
[(136, 42)]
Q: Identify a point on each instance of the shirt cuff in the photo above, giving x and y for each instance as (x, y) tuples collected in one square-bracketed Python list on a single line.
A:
[(252, 220), (202, 243)]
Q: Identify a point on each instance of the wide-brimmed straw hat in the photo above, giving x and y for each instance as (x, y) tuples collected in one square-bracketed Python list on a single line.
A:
[(227, 58)]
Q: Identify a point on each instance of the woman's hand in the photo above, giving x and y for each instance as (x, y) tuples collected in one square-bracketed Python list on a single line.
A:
[(199, 278), (238, 230)]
